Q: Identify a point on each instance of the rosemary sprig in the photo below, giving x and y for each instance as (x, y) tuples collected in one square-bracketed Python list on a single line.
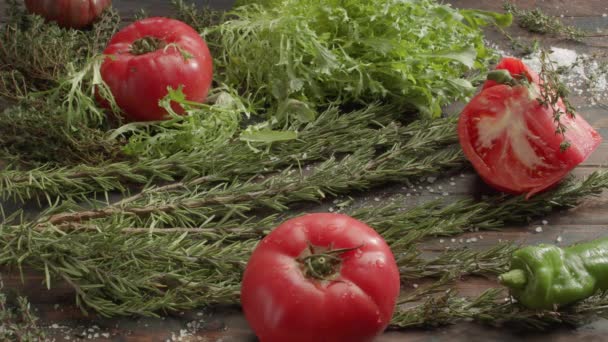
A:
[(116, 270), (491, 308), (331, 133), (355, 172)]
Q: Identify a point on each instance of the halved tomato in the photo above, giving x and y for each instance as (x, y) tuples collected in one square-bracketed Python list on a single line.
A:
[(511, 139)]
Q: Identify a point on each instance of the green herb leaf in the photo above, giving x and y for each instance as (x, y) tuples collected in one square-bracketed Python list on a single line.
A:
[(268, 136)]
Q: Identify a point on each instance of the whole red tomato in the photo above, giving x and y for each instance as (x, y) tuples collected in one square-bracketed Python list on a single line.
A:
[(510, 137), (151, 55), (68, 13), (322, 278)]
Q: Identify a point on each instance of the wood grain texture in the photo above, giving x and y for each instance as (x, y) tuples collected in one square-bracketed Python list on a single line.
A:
[(589, 220)]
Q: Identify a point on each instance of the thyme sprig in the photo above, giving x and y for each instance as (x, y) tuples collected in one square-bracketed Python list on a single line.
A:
[(35, 55), (554, 95), (537, 21), (18, 322)]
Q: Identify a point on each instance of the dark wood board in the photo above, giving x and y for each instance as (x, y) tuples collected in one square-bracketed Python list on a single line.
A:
[(62, 320)]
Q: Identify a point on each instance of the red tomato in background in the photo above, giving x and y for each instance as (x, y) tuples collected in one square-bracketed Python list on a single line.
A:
[(511, 140), (283, 302), (68, 13), (139, 80)]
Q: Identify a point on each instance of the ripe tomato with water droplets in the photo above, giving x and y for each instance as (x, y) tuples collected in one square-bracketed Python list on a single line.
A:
[(320, 277), (510, 137), (151, 55), (68, 13)]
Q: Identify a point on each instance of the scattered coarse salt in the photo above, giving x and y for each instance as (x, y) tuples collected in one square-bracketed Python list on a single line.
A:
[(105, 335), (431, 179), (538, 229), (545, 222), (377, 199), (55, 326), (431, 190), (419, 186), (331, 210), (462, 175), (441, 240), (461, 240), (440, 187), (452, 183), (445, 193), (453, 240), (480, 237), (559, 239), (604, 15), (415, 286), (408, 195)]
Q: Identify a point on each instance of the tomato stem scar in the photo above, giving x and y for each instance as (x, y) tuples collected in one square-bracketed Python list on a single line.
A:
[(322, 263), (146, 45)]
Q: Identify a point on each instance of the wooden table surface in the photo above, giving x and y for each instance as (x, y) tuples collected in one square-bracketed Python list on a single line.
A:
[(63, 321)]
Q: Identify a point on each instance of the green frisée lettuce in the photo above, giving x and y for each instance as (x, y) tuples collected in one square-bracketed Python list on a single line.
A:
[(412, 53)]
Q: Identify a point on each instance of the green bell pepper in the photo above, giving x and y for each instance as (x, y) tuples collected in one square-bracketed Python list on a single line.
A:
[(547, 276)]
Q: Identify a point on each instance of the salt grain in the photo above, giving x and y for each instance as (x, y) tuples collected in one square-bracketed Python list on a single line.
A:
[(453, 240), (604, 15), (445, 193), (538, 229), (377, 199), (415, 286), (559, 239), (452, 183), (441, 241), (55, 326), (545, 222)]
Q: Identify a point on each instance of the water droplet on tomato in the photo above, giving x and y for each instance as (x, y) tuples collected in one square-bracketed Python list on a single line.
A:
[(379, 263)]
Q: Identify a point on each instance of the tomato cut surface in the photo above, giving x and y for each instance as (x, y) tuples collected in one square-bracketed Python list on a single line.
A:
[(511, 139), (284, 301)]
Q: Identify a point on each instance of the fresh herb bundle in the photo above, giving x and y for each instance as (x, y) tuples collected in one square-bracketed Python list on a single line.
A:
[(317, 53), (35, 56)]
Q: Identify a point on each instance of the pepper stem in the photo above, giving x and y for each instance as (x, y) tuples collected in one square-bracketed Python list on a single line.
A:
[(146, 45), (514, 278)]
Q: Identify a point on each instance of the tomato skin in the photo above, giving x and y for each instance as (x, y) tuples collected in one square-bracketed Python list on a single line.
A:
[(282, 304), (510, 139), (138, 82), (68, 13)]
